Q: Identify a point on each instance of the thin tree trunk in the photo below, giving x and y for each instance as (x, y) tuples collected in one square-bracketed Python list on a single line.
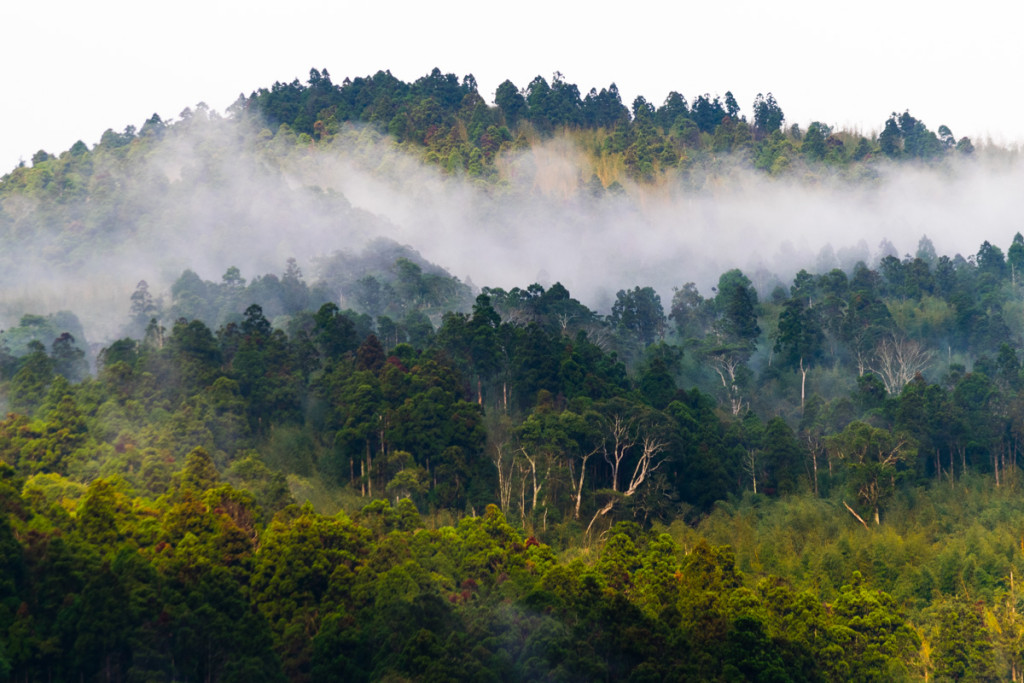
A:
[(369, 471), (952, 469), (854, 513), (803, 384), (578, 485), (814, 465), (995, 465), (522, 501), (752, 465), (600, 513), (504, 480), (579, 492)]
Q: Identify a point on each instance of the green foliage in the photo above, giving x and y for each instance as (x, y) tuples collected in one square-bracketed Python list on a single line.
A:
[(639, 312), (150, 524), (447, 122)]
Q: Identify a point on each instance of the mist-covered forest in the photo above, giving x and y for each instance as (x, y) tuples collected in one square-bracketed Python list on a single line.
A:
[(381, 381)]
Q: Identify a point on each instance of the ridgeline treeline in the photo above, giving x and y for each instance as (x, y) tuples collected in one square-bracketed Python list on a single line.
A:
[(446, 122), (386, 474), (453, 125)]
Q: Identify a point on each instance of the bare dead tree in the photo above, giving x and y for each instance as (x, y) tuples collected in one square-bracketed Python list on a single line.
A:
[(537, 486), (750, 466), (860, 343), (816, 448), (647, 463), (623, 438), (503, 455), (898, 360), (862, 362), (505, 463), (517, 317), (725, 365), (599, 335), (523, 471), (577, 484), (876, 454)]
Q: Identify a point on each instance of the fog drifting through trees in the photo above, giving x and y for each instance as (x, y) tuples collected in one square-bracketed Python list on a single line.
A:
[(214, 194), (815, 481)]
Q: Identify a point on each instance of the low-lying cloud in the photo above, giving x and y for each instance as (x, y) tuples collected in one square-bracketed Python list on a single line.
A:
[(213, 195)]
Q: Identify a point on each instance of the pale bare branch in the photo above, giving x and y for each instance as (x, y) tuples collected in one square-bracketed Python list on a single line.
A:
[(898, 360)]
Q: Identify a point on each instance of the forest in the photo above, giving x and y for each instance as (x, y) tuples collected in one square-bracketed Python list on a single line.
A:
[(359, 466)]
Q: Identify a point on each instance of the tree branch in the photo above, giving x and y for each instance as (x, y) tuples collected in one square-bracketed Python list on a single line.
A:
[(859, 518)]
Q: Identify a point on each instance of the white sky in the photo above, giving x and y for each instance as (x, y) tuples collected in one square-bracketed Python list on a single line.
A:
[(71, 69)]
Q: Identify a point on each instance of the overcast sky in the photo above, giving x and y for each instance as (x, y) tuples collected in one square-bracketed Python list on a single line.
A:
[(72, 69)]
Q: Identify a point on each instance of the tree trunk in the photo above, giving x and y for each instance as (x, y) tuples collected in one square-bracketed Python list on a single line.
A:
[(504, 479), (803, 385), (623, 441), (579, 492), (646, 465), (814, 467), (369, 471), (952, 469), (856, 516), (533, 473), (522, 501), (751, 465), (995, 465), (578, 485), (600, 513)]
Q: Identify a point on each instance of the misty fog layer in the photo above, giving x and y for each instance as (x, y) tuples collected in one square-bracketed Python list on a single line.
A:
[(668, 235), (213, 195)]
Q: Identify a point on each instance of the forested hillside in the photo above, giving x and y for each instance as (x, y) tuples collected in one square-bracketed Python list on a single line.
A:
[(446, 122), (377, 470)]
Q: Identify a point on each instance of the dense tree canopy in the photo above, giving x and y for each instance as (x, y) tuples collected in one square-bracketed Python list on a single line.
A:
[(374, 470)]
